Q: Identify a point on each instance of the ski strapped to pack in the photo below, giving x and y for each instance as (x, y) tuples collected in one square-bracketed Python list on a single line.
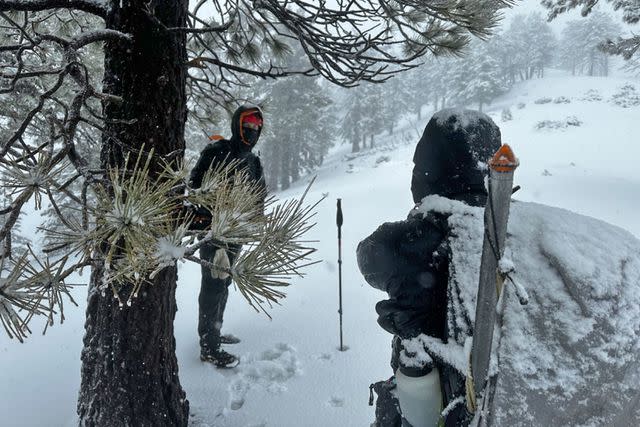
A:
[(496, 215)]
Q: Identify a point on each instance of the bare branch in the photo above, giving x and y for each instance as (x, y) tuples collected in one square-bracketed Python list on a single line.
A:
[(92, 7)]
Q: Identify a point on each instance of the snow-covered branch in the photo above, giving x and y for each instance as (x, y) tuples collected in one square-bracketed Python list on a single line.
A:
[(94, 7)]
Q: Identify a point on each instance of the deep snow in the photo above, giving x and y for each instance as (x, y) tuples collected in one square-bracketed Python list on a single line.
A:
[(292, 373)]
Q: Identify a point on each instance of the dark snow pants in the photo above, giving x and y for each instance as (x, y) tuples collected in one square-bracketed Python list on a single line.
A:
[(212, 300)]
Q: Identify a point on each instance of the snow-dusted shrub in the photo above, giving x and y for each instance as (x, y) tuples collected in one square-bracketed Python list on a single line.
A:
[(383, 159), (627, 96), (561, 100), (550, 124), (558, 124), (592, 95), (521, 105), (573, 121), (544, 100), (506, 115)]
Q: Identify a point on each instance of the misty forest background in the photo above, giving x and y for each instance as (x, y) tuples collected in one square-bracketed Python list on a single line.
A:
[(306, 116), (49, 72)]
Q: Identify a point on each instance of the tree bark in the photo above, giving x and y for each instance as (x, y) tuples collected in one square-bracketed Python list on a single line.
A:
[(129, 366), (355, 146)]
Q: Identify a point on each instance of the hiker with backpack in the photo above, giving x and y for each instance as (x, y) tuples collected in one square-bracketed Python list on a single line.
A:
[(410, 261), (246, 125)]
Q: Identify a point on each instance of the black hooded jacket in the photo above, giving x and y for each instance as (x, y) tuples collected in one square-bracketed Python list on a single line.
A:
[(225, 151), (410, 259)]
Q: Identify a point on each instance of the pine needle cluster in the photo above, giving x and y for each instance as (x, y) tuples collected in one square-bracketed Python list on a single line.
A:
[(141, 223)]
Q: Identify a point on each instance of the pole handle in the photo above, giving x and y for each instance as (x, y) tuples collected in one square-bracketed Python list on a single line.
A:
[(339, 218)]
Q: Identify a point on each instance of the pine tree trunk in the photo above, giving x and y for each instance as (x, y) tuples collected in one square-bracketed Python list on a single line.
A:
[(129, 366), (295, 160), (285, 173), (355, 147), (273, 167)]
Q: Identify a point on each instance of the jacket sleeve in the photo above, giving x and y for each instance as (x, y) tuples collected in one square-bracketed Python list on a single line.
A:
[(401, 258), (258, 174), (254, 168), (210, 157), (395, 257)]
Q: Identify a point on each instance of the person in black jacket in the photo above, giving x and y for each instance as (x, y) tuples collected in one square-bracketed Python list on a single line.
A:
[(410, 259), (246, 126)]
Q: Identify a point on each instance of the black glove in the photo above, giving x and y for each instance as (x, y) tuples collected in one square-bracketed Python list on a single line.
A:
[(400, 319)]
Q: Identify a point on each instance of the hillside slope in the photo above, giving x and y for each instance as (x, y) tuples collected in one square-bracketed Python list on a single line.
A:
[(292, 373)]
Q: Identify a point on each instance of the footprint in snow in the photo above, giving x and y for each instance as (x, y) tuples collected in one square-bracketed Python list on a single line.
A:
[(336, 402), (268, 370)]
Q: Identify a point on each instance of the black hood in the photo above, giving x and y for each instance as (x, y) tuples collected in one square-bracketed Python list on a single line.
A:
[(451, 157), (236, 140)]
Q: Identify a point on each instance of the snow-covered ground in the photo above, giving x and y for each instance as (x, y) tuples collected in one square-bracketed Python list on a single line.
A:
[(291, 371)]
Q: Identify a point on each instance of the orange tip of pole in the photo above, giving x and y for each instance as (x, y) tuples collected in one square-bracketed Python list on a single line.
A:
[(216, 137), (504, 160)]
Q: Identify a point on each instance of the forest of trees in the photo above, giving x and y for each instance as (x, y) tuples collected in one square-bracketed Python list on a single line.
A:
[(97, 101), (296, 142), (101, 101)]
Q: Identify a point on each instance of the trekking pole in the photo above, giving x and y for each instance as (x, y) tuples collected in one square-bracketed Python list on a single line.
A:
[(339, 224), (496, 216)]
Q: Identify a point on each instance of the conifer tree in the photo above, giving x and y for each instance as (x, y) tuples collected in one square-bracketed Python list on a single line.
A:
[(160, 58), (581, 44)]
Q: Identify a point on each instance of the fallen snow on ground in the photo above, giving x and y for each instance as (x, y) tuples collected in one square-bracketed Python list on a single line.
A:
[(292, 372)]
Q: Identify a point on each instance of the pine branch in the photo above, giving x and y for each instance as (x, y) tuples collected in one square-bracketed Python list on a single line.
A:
[(92, 7)]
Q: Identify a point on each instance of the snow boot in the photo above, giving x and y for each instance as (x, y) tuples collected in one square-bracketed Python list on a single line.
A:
[(220, 358), (229, 339)]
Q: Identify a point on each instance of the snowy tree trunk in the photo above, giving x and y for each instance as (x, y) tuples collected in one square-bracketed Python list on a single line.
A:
[(129, 366), (355, 146), (295, 160), (285, 173), (274, 167)]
